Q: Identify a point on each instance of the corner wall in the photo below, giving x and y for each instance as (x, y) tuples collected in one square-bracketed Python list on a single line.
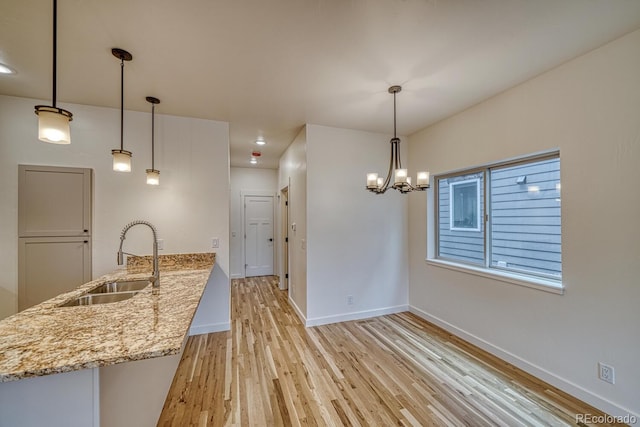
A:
[(190, 206), (357, 240), (292, 173), (588, 108)]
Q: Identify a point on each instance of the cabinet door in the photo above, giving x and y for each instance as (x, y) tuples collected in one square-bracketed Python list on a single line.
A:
[(54, 201), (50, 266)]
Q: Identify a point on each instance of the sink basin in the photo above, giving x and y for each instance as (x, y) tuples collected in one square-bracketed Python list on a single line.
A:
[(119, 290), (104, 298), (121, 286)]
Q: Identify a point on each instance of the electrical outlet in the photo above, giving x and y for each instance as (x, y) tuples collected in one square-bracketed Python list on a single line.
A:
[(160, 244), (215, 242), (349, 299), (606, 373)]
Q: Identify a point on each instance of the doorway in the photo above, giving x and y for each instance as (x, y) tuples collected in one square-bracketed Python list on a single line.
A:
[(284, 214), (258, 235)]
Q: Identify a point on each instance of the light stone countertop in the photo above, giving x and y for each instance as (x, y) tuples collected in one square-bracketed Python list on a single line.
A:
[(47, 339)]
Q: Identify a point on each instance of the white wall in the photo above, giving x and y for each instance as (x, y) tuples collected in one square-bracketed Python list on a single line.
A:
[(190, 206), (589, 109), (292, 173), (357, 240), (245, 180)]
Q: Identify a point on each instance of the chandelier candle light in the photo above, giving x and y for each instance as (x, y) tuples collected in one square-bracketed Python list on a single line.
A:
[(53, 122), (401, 181), (121, 157), (153, 175)]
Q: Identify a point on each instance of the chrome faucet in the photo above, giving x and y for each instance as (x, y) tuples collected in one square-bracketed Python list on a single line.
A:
[(155, 280)]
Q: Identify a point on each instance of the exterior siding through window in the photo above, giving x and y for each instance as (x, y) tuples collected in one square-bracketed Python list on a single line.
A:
[(525, 218)]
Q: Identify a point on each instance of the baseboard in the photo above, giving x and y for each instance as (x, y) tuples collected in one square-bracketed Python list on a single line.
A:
[(237, 276), (356, 315), (297, 310), (210, 328), (538, 372)]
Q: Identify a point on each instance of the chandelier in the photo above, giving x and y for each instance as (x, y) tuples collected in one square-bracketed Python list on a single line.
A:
[(401, 181)]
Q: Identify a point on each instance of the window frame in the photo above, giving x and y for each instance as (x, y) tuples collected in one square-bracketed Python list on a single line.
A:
[(478, 210), (535, 280)]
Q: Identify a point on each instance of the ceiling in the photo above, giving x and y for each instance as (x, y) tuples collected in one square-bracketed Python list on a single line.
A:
[(269, 66)]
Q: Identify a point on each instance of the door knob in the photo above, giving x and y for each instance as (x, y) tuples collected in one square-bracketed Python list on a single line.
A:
[(271, 240)]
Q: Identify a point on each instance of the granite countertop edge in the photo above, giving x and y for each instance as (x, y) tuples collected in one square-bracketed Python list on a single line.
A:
[(48, 339)]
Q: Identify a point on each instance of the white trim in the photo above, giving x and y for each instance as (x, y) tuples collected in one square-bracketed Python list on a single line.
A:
[(563, 384), (532, 282), (297, 309), (237, 276), (356, 315), (209, 328)]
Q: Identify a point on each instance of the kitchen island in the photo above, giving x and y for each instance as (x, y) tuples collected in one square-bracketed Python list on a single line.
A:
[(82, 349)]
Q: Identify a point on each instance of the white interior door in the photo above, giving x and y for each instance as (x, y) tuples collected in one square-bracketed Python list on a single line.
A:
[(258, 235)]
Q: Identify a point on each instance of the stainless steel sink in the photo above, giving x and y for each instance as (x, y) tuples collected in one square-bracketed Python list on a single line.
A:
[(119, 290), (121, 286), (104, 298)]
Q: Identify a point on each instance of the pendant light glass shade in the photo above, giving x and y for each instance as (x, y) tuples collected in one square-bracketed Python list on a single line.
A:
[(53, 125), (121, 160), (153, 177), (53, 122)]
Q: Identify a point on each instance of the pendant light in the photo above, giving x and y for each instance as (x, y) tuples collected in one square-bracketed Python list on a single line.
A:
[(153, 175), (53, 122), (401, 181), (121, 157)]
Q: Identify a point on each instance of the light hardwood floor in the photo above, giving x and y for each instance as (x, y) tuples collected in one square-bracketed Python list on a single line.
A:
[(389, 370)]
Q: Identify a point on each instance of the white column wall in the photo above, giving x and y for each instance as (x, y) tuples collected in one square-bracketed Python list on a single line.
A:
[(292, 172), (357, 240), (190, 206), (589, 109)]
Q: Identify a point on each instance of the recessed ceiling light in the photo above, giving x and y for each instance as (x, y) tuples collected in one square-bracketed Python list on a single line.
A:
[(260, 141), (5, 69)]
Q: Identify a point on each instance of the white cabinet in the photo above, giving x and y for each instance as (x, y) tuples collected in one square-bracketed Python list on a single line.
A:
[(54, 229)]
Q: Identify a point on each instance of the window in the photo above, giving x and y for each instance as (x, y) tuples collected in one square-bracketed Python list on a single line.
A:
[(465, 205), (504, 217)]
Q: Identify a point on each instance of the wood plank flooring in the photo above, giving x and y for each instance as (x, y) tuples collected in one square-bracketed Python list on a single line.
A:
[(391, 370)]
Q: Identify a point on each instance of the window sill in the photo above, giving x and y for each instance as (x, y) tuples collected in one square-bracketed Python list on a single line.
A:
[(516, 279)]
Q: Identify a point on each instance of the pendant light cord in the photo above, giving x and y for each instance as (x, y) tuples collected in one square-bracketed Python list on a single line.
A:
[(153, 127), (122, 104), (55, 48)]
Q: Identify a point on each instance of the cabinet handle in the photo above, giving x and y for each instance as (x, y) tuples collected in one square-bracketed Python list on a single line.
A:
[(86, 241), (86, 231)]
